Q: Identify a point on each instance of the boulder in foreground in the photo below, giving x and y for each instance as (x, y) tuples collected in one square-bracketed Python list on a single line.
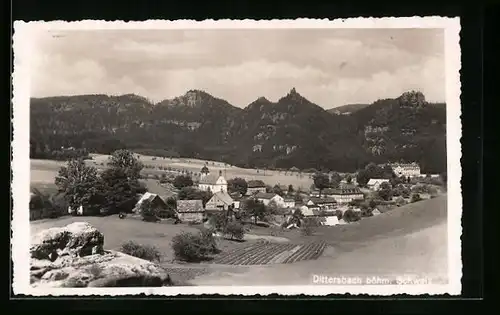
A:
[(73, 256)]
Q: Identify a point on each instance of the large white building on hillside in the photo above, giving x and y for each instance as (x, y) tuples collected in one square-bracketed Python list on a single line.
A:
[(212, 183), (406, 169)]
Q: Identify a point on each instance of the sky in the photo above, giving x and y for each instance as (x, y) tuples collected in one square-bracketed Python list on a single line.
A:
[(330, 67)]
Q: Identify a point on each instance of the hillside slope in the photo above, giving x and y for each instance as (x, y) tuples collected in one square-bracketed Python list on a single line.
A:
[(408, 240), (290, 132)]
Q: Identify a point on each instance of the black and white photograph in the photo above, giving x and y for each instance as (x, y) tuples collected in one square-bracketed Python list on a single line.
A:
[(237, 157)]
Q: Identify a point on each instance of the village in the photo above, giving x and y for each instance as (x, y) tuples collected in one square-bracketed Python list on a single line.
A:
[(341, 200)]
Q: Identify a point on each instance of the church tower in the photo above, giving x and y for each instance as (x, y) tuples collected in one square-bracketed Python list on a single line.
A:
[(204, 172)]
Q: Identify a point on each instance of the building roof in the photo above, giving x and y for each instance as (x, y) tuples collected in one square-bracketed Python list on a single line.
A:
[(331, 220), (405, 165), (344, 190), (209, 179), (320, 201), (148, 196), (261, 195), (236, 196), (289, 200), (185, 206), (256, 184), (306, 211), (224, 197), (373, 181)]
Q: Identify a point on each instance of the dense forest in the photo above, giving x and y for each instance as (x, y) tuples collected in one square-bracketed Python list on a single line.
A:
[(292, 132)]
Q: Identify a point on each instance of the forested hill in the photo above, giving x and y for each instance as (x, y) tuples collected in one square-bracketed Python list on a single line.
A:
[(290, 132)]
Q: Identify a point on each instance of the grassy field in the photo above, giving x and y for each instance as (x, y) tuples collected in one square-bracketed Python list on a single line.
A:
[(410, 240), (43, 172)]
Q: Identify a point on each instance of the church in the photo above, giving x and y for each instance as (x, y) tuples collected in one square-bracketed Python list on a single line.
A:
[(212, 183)]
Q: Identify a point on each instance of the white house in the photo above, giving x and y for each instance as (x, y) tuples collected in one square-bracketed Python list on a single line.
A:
[(346, 194), (255, 186), (213, 183), (374, 183), (322, 203), (331, 220), (266, 198), (220, 201), (309, 211), (288, 203), (406, 169)]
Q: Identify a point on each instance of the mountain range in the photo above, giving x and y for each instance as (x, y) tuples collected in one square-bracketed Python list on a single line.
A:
[(292, 132)]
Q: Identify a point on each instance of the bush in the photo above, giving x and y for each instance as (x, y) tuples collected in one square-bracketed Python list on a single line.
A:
[(148, 212), (415, 197), (235, 230), (146, 252), (309, 224), (351, 216), (219, 221), (192, 247)]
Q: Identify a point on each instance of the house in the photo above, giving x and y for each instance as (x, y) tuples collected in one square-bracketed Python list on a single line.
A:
[(220, 201), (255, 186), (374, 183), (36, 207), (406, 169), (266, 198), (345, 194), (288, 203), (155, 200), (312, 211), (237, 198), (331, 220), (190, 211), (315, 193), (81, 210), (212, 183), (376, 211), (322, 203)]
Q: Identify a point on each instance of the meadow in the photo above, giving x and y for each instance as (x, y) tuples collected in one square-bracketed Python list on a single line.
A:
[(43, 172)]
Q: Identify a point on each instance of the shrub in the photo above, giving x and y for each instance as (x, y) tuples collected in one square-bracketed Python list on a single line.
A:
[(339, 214), (235, 230), (182, 181), (219, 220), (415, 197), (148, 212), (192, 247), (146, 252), (351, 216), (208, 238), (309, 224)]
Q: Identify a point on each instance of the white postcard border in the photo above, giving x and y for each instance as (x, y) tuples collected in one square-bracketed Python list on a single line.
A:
[(23, 39)]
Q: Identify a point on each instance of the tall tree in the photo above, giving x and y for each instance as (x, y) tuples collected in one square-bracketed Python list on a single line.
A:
[(182, 181), (237, 184), (119, 191), (321, 181), (80, 185), (126, 160), (335, 180), (254, 208)]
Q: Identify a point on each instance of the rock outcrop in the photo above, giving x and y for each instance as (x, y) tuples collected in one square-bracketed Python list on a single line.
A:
[(73, 256)]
